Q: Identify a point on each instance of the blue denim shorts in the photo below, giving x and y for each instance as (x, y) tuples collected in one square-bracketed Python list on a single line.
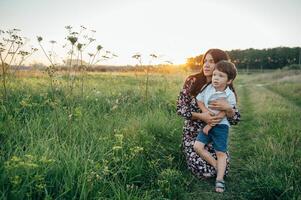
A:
[(218, 135)]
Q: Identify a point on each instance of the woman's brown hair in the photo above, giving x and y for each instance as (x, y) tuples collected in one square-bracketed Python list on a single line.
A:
[(200, 78)]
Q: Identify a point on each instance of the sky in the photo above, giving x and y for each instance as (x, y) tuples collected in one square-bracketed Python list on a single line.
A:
[(172, 29)]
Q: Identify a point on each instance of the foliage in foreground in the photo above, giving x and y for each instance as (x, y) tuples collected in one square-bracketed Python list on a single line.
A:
[(115, 144)]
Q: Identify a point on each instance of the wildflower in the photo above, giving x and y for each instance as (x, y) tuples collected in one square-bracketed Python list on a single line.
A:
[(68, 27), (15, 158), (137, 149), (16, 180), (72, 39), (153, 55), (98, 177), (30, 157), (77, 112), (136, 56), (91, 40), (169, 62), (116, 148), (106, 170), (119, 136), (99, 47), (30, 165), (40, 186), (23, 53), (39, 38), (114, 107), (79, 46)]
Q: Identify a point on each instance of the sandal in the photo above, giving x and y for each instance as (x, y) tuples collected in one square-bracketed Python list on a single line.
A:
[(220, 184)]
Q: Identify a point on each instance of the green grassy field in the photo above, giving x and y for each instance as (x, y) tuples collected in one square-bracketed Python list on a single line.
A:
[(113, 142)]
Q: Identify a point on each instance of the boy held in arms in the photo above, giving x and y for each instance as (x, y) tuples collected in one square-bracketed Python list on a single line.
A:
[(222, 90), (221, 87)]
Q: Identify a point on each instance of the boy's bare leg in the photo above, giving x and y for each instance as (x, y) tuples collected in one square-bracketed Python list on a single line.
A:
[(221, 167), (201, 151)]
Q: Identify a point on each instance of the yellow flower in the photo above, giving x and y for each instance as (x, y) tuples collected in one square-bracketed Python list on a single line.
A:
[(116, 148)]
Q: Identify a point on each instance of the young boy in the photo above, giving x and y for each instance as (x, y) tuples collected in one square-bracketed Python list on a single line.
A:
[(221, 87)]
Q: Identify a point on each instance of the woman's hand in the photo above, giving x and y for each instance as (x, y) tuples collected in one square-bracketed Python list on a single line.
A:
[(223, 105), (215, 120), (208, 118), (220, 104)]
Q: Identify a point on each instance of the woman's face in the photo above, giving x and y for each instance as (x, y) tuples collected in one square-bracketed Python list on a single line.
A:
[(209, 65)]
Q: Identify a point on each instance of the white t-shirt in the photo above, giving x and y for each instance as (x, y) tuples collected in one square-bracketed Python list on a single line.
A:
[(210, 94)]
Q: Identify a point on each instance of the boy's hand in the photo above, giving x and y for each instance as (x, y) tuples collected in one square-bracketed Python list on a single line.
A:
[(206, 129)]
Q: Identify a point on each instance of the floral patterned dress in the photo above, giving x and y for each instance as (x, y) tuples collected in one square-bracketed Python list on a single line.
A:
[(185, 105)]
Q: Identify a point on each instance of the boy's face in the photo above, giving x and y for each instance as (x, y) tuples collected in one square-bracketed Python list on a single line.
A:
[(220, 80)]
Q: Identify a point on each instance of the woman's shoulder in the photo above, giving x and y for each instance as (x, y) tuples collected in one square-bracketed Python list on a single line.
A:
[(191, 78), (189, 81)]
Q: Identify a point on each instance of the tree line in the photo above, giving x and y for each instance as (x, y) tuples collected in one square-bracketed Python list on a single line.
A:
[(272, 58)]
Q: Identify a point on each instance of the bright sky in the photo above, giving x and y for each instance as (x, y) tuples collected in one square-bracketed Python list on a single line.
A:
[(174, 29)]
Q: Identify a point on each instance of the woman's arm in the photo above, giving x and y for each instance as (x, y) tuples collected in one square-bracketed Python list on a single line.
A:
[(202, 106), (232, 113), (235, 118), (184, 100), (207, 117), (222, 105)]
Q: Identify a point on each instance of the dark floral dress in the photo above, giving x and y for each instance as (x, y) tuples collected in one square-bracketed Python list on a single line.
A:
[(185, 105)]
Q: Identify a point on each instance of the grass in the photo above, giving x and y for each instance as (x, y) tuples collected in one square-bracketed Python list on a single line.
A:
[(286, 83), (288, 90), (116, 144), (265, 146)]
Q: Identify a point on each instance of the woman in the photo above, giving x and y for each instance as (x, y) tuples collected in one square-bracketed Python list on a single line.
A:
[(195, 121)]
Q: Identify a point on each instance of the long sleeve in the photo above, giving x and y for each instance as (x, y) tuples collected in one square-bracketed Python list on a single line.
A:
[(184, 100), (236, 117)]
